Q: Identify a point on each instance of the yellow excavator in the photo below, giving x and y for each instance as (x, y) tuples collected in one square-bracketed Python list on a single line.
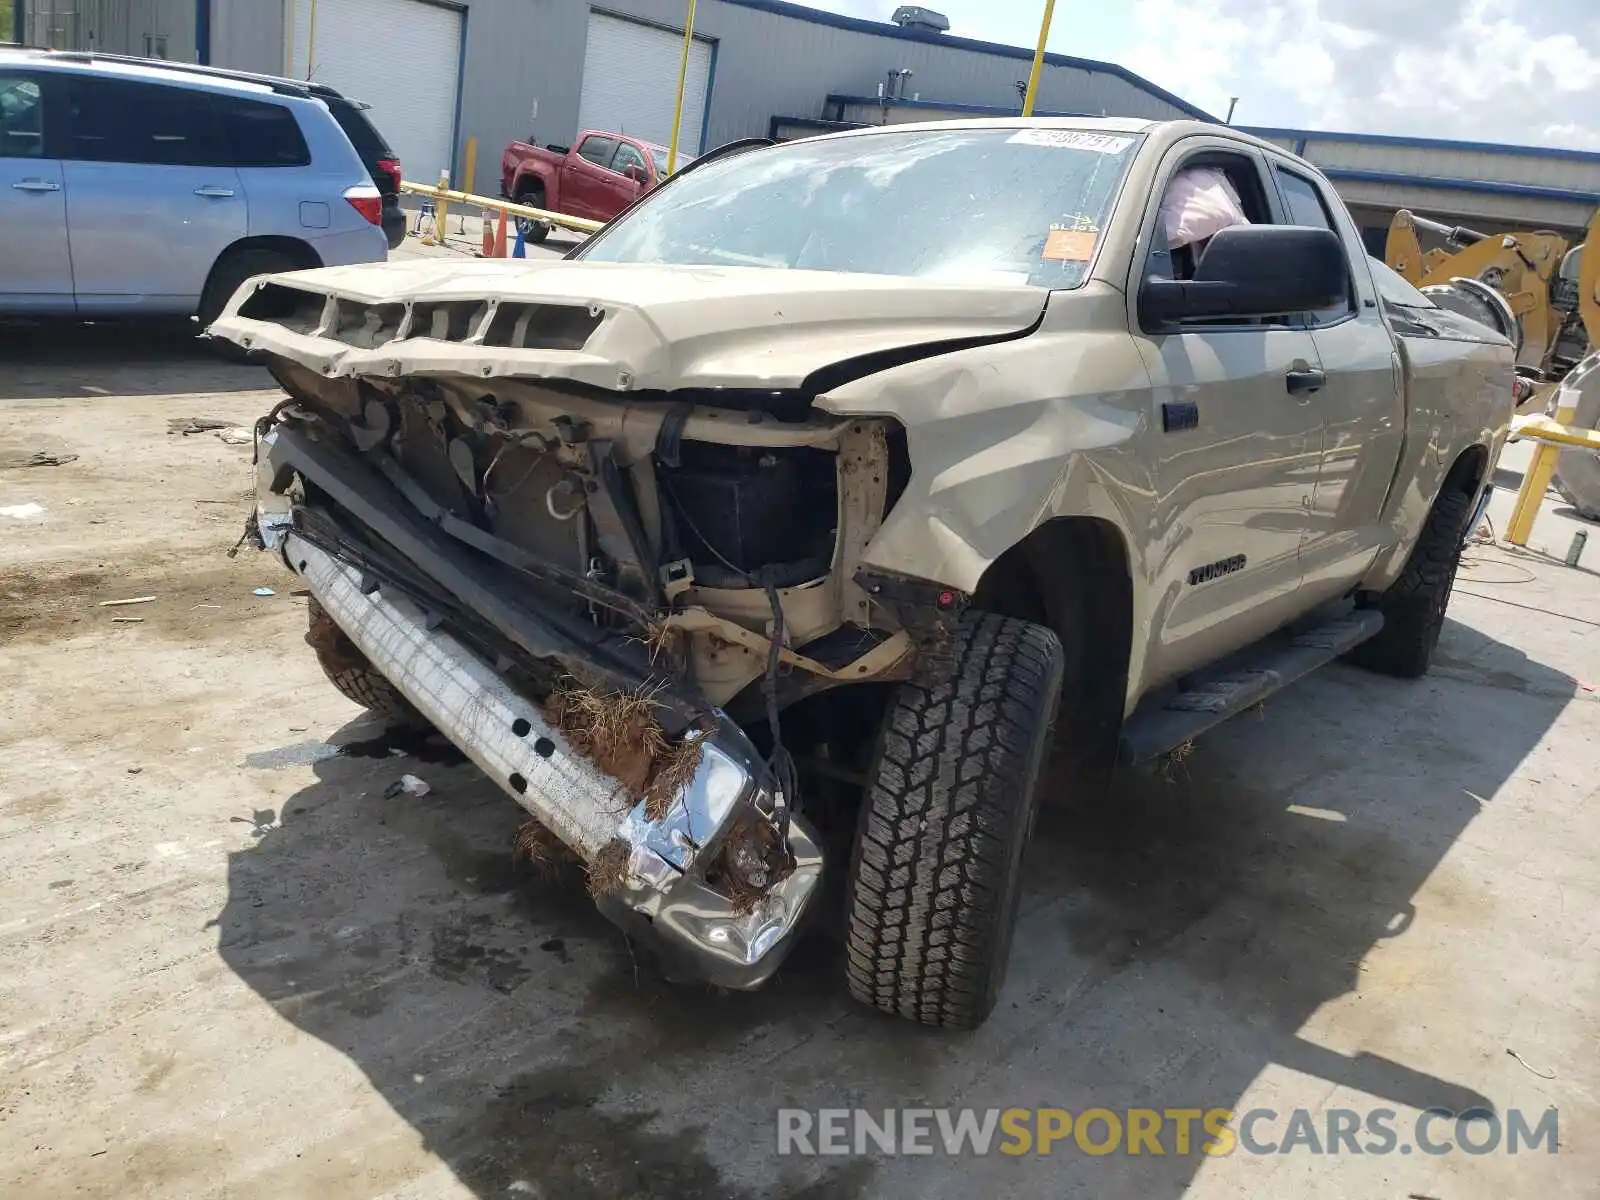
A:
[(1541, 292), (1548, 284)]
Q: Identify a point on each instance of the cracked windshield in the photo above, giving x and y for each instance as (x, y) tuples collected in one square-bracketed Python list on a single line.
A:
[(995, 206)]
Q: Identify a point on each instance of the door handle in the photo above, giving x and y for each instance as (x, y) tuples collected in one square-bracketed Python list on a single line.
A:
[(1304, 382), (213, 193), (36, 185)]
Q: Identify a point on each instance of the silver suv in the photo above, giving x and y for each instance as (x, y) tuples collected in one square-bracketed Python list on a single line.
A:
[(128, 188)]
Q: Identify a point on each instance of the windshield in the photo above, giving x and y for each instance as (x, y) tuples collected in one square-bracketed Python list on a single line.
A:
[(987, 205)]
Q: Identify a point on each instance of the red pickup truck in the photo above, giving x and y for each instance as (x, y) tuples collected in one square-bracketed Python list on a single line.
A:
[(597, 177)]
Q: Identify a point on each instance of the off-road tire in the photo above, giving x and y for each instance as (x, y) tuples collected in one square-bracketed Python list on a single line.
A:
[(533, 232), (949, 806), (1413, 607), (348, 670)]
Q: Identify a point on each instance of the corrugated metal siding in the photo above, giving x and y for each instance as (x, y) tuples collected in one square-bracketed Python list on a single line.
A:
[(114, 26), (247, 35), (1488, 212), (523, 68), (523, 54), (1455, 164)]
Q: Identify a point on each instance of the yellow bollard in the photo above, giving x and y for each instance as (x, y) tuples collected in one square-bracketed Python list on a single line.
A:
[(683, 75), (441, 207), (469, 168), (1537, 481), (1038, 59)]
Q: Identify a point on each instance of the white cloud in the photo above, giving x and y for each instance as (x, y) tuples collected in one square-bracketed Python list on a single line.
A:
[(1484, 70)]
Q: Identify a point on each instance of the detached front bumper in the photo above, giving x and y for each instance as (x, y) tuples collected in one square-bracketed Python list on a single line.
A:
[(664, 898)]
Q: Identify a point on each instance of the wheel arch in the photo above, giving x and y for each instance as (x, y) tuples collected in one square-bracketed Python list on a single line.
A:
[(1075, 575), (297, 250), (1468, 471)]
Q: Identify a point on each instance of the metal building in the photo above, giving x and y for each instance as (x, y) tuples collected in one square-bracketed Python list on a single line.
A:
[(540, 70), (439, 71), (1479, 184)]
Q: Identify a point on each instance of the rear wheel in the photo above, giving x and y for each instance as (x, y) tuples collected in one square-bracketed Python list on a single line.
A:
[(349, 671), (533, 232), (229, 275), (1413, 607), (949, 806)]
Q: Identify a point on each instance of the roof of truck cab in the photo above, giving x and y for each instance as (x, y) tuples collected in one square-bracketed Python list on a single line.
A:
[(1130, 125), (1164, 131)]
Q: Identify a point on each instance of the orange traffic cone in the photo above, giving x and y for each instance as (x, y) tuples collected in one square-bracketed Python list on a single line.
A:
[(488, 234), (500, 236)]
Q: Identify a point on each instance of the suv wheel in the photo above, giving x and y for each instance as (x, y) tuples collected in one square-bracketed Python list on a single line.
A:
[(229, 275), (950, 801), (1413, 607)]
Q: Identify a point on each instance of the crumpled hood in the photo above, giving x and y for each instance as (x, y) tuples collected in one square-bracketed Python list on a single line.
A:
[(612, 325)]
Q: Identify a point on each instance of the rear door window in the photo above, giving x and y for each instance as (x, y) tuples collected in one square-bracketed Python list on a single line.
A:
[(598, 150), (122, 121), (21, 117), (1306, 207), (258, 133), (358, 127)]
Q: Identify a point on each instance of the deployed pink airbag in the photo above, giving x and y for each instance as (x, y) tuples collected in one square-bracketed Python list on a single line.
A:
[(1199, 202)]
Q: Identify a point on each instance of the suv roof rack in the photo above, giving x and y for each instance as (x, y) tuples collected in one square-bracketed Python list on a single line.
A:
[(278, 83)]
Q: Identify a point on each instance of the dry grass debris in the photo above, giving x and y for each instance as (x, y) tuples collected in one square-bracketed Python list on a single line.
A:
[(609, 870), (618, 732)]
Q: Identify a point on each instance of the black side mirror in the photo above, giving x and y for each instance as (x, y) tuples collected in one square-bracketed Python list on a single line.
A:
[(1254, 271), (636, 173)]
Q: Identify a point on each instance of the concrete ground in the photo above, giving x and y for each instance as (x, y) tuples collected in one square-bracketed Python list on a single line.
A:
[(229, 966)]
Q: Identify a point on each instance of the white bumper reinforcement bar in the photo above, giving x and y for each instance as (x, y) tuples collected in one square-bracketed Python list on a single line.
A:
[(664, 897)]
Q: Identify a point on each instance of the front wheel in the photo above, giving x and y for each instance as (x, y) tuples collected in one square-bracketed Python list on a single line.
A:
[(349, 671), (949, 806)]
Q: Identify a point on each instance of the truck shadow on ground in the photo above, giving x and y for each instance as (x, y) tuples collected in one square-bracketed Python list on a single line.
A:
[(45, 359), (1192, 920)]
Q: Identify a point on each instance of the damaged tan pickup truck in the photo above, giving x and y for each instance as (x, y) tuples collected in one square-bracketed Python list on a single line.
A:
[(795, 521)]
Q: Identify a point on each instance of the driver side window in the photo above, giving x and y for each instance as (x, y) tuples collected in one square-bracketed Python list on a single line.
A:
[(1205, 193)]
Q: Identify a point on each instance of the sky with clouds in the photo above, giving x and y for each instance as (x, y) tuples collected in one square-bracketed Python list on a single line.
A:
[(1520, 71)]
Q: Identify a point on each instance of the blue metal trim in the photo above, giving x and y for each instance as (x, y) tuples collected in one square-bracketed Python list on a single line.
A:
[(455, 124), (1300, 147), (711, 87), (19, 22), (1384, 139), (1489, 187), (980, 110), (202, 32), (782, 8)]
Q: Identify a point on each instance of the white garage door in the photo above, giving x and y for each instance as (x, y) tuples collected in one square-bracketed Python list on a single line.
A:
[(403, 57), (630, 82)]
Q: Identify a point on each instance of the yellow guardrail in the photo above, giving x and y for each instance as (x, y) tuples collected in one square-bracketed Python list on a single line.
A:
[(510, 208)]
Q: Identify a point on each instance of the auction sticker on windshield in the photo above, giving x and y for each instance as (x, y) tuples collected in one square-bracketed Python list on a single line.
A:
[(1071, 139), (1069, 245)]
